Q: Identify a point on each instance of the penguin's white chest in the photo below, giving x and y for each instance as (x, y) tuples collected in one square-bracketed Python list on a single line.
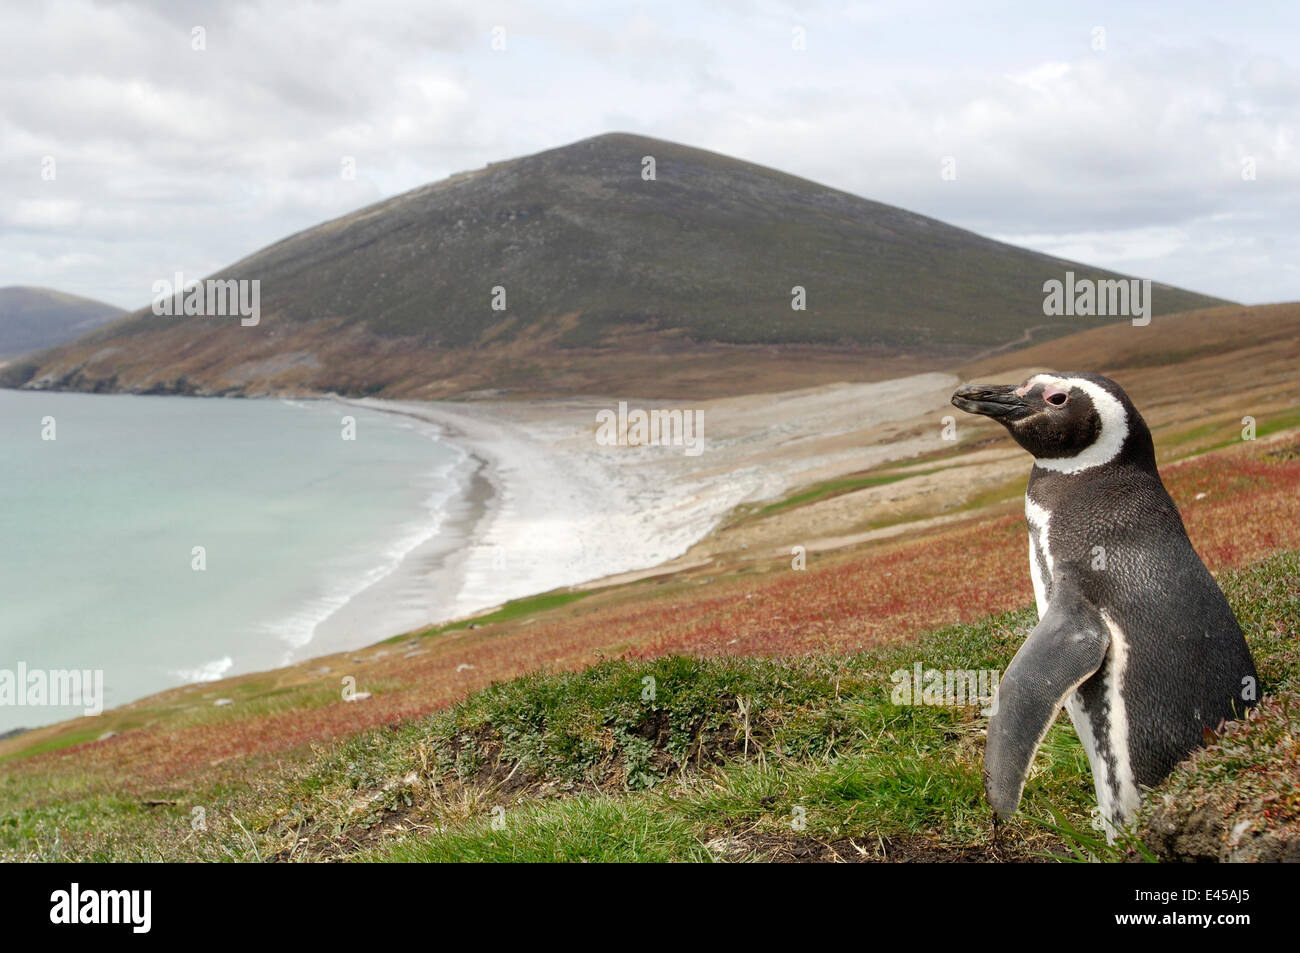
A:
[(1040, 552), (1117, 794)]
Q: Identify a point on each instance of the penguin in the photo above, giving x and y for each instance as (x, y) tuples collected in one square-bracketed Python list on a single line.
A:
[(1134, 637)]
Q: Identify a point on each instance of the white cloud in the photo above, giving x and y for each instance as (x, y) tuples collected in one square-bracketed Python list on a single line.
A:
[(1116, 246), (170, 158)]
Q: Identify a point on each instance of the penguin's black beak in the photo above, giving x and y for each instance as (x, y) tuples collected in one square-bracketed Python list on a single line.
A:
[(999, 401)]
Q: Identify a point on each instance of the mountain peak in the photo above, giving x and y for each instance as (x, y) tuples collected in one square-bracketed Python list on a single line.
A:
[(526, 265)]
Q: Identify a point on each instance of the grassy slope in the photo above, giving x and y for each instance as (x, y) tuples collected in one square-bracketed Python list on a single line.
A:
[(730, 759), (867, 778)]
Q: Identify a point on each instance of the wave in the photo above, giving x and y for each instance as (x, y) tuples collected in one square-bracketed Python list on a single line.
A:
[(212, 671)]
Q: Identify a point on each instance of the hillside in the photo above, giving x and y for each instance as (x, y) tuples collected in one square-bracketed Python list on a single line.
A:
[(714, 765), (35, 318), (609, 280)]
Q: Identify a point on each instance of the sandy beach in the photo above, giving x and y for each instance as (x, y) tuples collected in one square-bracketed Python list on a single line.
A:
[(550, 506)]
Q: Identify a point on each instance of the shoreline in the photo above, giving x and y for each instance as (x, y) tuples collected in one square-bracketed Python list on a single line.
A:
[(526, 497), (425, 580), (553, 509)]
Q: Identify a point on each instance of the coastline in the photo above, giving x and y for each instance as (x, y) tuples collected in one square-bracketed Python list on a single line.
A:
[(527, 524), (548, 507), (426, 581)]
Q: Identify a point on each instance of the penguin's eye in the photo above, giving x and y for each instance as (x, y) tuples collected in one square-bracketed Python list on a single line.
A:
[(1057, 399)]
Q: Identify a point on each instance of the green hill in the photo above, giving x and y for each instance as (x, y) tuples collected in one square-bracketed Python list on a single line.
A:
[(35, 318), (592, 257)]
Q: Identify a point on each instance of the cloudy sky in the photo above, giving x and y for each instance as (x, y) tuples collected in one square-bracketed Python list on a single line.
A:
[(1092, 131)]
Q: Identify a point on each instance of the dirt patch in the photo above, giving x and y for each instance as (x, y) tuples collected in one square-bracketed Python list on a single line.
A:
[(1238, 799), (1290, 451), (792, 849)]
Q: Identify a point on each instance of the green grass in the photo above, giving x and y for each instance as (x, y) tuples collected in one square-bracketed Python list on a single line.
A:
[(725, 744), (514, 609), (585, 829), (60, 741), (1266, 426), (829, 488), (667, 759)]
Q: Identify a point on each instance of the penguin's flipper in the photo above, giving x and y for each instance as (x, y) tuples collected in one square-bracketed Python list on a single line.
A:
[(1067, 646)]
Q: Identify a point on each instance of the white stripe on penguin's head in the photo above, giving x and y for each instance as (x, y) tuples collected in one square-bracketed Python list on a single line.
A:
[(1111, 415)]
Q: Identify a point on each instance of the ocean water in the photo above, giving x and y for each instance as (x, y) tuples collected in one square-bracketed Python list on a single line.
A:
[(99, 528)]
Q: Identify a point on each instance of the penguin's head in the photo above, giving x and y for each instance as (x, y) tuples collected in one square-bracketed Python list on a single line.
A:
[(1069, 422)]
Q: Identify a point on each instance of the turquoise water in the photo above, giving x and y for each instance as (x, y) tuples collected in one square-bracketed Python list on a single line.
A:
[(98, 529)]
